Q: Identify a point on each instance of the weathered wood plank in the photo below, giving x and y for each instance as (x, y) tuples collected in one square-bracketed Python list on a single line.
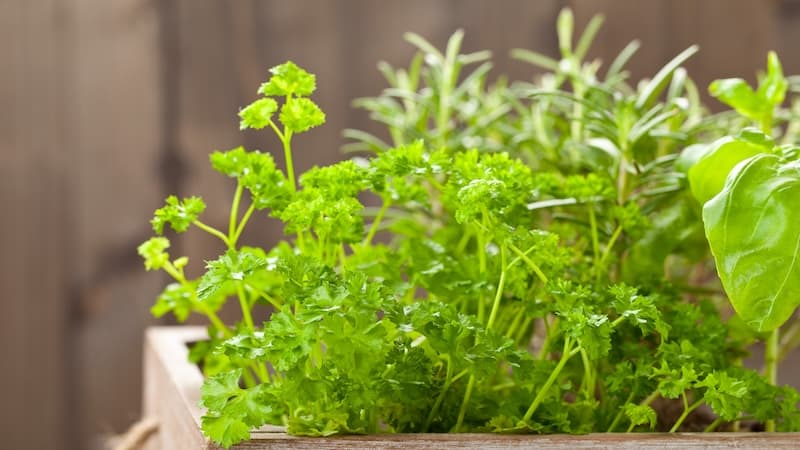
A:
[(116, 122), (37, 198), (172, 394)]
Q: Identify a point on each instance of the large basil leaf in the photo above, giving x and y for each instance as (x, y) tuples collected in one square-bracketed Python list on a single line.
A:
[(707, 176), (753, 226)]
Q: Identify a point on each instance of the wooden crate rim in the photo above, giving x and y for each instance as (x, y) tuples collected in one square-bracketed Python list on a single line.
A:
[(169, 343)]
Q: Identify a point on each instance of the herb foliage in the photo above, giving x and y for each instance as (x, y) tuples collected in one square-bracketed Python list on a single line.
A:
[(537, 263)]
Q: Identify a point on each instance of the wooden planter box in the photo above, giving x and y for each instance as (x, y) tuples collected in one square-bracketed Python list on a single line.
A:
[(172, 392)]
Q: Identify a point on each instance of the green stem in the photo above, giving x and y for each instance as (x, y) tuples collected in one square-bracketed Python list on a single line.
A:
[(550, 332), (376, 222), (500, 286), (588, 384), (482, 269), (512, 328), (212, 316), (771, 366), (243, 222), (766, 124), (529, 262), (523, 329), (687, 409), (577, 111), (248, 379), (610, 245), (593, 229), (237, 197), (215, 320), (622, 179), (621, 411), (713, 426), (462, 244), (789, 340), (213, 231), (287, 154), (565, 355), (248, 319), (463, 410), (444, 104), (276, 130), (440, 398), (272, 301)]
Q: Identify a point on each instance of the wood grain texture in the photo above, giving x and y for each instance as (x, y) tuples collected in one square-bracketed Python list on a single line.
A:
[(173, 390), (36, 201), (117, 128)]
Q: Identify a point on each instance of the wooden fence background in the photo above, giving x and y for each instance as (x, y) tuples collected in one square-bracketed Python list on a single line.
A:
[(106, 107)]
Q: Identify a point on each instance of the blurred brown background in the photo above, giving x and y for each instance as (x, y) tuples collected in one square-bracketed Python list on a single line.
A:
[(107, 107)]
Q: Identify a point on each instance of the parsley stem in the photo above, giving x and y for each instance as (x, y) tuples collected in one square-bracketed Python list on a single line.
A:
[(588, 382), (203, 307), (242, 223), (481, 268), (376, 222), (512, 328), (237, 198), (287, 153), (248, 319), (595, 239), (440, 397), (609, 246), (523, 329), (621, 411), (248, 379), (771, 365), (551, 332), (215, 320), (713, 426), (500, 286), (213, 231), (529, 262), (463, 411), (272, 301), (686, 411), (566, 354)]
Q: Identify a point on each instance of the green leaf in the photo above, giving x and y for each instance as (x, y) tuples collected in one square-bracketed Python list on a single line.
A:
[(233, 411), (176, 298), (757, 105), (736, 93), (707, 176), (564, 27), (257, 172), (752, 228), (289, 79), (641, 414), (232, 267), (178, 214), (153, 252), (301, 114), (258, 114), (655, 86), (724, 394), (773, 87)]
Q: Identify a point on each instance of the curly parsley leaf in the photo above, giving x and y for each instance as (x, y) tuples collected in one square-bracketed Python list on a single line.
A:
[(289, 79), (258, 114), (301, 114), (178, 214), (154, 252)]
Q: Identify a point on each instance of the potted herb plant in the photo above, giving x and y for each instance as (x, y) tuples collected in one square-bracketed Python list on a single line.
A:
[(541, 261)]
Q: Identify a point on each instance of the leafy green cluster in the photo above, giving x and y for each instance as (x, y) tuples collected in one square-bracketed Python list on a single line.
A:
[(537, 261)]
